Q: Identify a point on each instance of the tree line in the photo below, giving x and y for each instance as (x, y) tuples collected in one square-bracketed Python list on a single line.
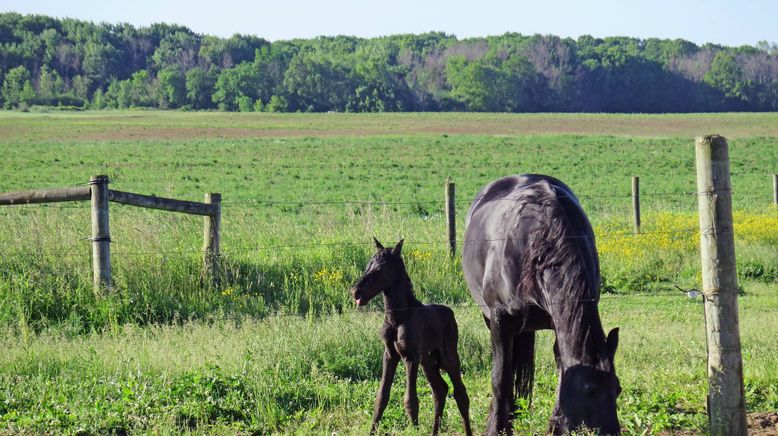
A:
[(80, 64)]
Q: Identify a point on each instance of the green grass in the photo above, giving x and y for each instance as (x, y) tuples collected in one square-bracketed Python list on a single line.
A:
[(318, 375), (277, 346)]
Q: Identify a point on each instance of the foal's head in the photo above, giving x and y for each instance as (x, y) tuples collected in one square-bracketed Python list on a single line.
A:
[(383, 271)]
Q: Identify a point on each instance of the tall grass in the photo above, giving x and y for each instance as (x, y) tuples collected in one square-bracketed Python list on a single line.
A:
[(318, 375)]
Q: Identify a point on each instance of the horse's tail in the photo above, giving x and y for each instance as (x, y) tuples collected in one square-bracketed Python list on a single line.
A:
[(524, 366)]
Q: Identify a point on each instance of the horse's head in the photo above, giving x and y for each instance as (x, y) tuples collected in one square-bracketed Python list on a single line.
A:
[(587, 395), (382, 272)]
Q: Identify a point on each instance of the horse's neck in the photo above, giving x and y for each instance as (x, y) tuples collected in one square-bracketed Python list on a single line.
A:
[(580, 337), (399, 300)]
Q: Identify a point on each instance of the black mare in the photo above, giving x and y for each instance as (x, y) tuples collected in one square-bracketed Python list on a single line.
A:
[(530, 262)]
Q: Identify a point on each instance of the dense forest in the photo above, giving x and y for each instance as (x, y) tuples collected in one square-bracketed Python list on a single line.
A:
[(78, 64)]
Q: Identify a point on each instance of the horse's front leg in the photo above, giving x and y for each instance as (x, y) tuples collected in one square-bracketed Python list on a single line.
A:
[(555, 423), (502, 327), (411, 401), (390, 361)]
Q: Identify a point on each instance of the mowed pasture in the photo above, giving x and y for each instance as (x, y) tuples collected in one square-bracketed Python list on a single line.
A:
[(278, 347)]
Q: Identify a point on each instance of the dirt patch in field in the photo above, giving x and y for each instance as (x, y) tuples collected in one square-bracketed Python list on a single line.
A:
[(759, 424), (651, 127), (763, 424), (178, 126)]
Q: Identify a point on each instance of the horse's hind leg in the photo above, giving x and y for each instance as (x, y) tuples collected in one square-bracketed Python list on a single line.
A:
[(439, 391), (503, 327), (460, 392), (523, 366)]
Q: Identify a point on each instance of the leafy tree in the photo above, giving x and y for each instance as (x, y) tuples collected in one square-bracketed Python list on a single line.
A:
[(199, 87), (172, 83), (473, 84), (277, 103), (170, 66), (27, 96), (177, 51), (16, 87), (98, 100), (100, 62), (726, 75), (270, 64), (314, 83), (79, 87), (245, 104), (226, 53), (379, 80), (234, 83), (47, 85)]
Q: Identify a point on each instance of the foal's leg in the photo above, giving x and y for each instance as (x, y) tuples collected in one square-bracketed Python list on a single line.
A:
[(439, 391), (460, 393), (503, 327), (391, 360), (411, 400)]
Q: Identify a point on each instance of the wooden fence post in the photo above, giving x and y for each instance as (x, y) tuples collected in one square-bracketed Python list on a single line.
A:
[(636, 202), (211, 238), (726, 399), (451, 226), (101, 234)]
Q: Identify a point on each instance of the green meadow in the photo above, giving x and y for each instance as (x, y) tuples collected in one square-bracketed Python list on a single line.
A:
[(277, 346)]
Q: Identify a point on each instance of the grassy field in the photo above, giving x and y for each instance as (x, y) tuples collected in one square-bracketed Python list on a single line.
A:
[(277, 347)]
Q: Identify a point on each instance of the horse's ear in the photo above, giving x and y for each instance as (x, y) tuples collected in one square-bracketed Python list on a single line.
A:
[(377, 244), (612, 342), (398, 248)]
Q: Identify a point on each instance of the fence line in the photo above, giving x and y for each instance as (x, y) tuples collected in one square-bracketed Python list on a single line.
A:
[(350, 243), (251, 202), (211, 229)]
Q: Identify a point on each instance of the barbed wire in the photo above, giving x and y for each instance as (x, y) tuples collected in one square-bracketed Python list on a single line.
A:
[(239, 250), (376, 310), (247, 202)]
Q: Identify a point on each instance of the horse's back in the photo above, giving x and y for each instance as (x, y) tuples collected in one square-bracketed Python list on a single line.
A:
[(500, 222)]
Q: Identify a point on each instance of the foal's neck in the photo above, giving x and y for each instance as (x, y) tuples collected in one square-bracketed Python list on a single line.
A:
[(399, 300)]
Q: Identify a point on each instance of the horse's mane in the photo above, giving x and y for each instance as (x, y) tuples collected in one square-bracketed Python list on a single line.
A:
[(562, 248)]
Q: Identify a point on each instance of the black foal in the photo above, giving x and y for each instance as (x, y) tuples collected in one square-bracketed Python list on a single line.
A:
[(420, 334)]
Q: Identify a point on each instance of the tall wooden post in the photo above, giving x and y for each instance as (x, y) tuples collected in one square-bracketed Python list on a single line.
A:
[(211, 238), (636, 202), (726, 400), (451, 226), (101, 234)]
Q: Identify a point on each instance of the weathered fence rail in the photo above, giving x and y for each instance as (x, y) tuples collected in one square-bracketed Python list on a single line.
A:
[(168, 204), (98, 193), (80, 193)]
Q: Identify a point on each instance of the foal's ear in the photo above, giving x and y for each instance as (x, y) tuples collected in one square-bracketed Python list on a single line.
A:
[(398, 248), (612, 342), (377, 244)]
